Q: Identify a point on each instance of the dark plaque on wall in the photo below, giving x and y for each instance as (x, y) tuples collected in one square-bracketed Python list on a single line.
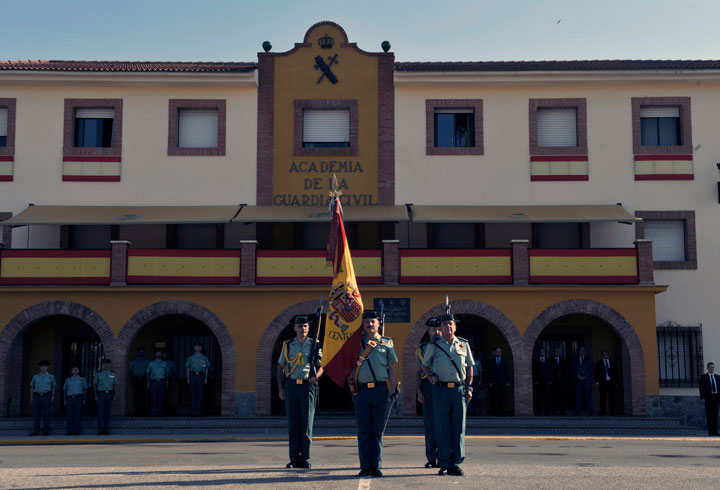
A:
[(397, 310)]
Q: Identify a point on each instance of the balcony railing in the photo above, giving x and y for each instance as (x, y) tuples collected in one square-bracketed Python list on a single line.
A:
[(124, 265)]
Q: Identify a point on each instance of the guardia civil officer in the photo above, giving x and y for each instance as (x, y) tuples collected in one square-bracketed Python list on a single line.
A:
[(298, 385), (369, 383), (197, 367), (42, 394), (104, 386), (448, 364), (157, 381), (75, 389), (424, 395), (137, 371)]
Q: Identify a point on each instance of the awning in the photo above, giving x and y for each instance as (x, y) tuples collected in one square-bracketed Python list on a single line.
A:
[(118, 215), (590, 213), (278, 214)]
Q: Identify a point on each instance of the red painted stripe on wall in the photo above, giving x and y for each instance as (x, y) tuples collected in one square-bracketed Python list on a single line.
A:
[(591, 252), (153, 252), (49, 281), (665, 177), (280, 280), (57, 254), (412, 252), (68, 158), (313, 253), (182, 280), (91, 178), (7, 158), (645, 158), (558, 178), (584, 279), (455, 279), (558, 158), (6, 178)]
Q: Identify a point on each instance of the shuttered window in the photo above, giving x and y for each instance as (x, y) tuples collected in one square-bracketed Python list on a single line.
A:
[(198, 128), (660, 126), (668, 238), (326, 128), (3, 126), (557, 126), (94, 127), (106, 113)]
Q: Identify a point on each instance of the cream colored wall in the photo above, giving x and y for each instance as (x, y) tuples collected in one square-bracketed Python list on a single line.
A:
[(502, 175)]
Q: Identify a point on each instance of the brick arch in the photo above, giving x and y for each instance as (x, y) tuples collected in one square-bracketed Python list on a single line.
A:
[(194, 310), (483, 310), (39, 311), (632, 346), (263, 373)]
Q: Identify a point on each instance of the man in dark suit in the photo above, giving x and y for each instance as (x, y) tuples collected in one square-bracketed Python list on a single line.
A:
[(542, 381), (582, 371), (498, 380), (709, 394), (606, 377), (558, 374)]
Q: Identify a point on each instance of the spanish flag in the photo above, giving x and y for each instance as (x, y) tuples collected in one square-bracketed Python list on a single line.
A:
[(342, 342)]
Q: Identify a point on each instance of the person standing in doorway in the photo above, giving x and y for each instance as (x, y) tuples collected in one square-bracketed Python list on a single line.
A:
[(137, 371), (558, 376), (75, 389), (42, 394), (157, 381), (424, 395), (197, 369), (582, 371), (497, 374), (542, 382), (606, 378), (104, 386)]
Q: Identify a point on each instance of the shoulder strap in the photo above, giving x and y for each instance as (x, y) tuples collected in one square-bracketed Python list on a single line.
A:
[(439, 346), (364, 357)]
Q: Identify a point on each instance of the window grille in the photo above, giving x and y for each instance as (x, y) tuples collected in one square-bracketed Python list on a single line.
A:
[(680, 355)]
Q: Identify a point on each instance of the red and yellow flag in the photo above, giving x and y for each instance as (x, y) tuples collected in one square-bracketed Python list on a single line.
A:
[(342, 341)]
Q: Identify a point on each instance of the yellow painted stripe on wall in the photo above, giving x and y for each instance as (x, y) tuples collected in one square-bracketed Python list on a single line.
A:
[(455, 266), (559, 168), (666, 167), (6, 168), (583, 266), (184, 266), (54, 267), (91, 168), (313, 267)]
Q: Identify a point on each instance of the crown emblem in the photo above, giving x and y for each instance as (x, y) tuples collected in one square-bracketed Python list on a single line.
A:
[(326, 42)]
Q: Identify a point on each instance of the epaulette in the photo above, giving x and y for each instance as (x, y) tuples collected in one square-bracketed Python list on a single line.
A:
[(462, 339), (385, 340)]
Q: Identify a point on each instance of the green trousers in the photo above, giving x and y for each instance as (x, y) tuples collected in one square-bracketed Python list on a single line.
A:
[(450, 410), (370, 411), (300, 409), (428, 411)]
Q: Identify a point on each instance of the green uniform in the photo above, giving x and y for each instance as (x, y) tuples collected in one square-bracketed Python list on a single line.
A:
[(449, 396), (74, 388), (197, 364), (431, 451), (42, 386), (104, 383), (300, 396), (157, 371), (371, 401)]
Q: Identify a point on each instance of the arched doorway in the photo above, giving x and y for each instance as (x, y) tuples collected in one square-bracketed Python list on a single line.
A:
[(596, 324), (567, 334), (61, 332), (173, 326), (486, 328)]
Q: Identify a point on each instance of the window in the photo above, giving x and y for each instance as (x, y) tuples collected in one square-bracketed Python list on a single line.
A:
[(196, 127), (90, 237), (660, 126), (680, 355), (94, 128), (453, 127), (558, 235), (3, 126), (326, 128), (7, 137), (455, 235), (673, 235), (556, 126)]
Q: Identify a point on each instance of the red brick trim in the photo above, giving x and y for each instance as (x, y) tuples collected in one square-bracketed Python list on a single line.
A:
[(559, 178), (685, 147), (11, 105), (199, 312), (265, 365), (521, 365), (265, 128), (5, 231), (90, 159), (632, 347), (690, 262), (580, 105), (324, 23), (69, 127), (651, 157), (386, 130), (432, 104), (91, 178), (337, 104), (16, 326), (175, 105)]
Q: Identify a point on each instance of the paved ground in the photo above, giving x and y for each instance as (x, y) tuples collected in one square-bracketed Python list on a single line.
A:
[(493, 463)]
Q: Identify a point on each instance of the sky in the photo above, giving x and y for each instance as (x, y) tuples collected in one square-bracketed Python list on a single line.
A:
[(419, 30)]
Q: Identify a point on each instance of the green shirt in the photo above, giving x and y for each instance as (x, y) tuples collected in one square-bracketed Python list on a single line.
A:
[(291, 349), (138, 366), (197, 364), (380, 357), (43, 383), (440, 364), (105, 381), (157, 369), (75, 385)]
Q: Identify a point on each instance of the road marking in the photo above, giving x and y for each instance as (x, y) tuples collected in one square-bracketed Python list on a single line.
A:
[(364, 483)]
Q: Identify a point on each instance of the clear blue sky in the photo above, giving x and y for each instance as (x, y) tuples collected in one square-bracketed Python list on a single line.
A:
[(420, 30)]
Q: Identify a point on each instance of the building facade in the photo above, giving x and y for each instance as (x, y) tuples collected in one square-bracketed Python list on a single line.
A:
[(559, 204)]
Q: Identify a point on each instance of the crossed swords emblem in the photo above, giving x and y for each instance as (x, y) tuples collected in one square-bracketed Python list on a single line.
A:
[(325, 68)]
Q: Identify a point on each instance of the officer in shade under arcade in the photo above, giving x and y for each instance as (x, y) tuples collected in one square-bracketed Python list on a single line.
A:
[(424, 395), (448, 363), (369, 385), (298, 372)]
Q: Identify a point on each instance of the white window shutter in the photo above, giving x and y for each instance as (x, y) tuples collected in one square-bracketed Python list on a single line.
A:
[(3, 121), (197, 128), (557, 126), (326, 126), (107, 113), (668, 238), (670, 111)]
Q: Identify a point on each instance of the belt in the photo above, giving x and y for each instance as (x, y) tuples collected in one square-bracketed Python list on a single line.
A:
[(106, 391), (75, 396), (372, 385), (297, 381), (157, 379), (198, 372), (453, 384), (42, 394)]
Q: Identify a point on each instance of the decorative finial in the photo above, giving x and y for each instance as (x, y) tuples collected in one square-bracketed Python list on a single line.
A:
[(334, 186), (267, 46), (385, 45)]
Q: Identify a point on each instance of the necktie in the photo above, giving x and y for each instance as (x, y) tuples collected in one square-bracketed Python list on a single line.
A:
[(498, 361), (542, 361), (581, 359), (712, 382), (607, 368)]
